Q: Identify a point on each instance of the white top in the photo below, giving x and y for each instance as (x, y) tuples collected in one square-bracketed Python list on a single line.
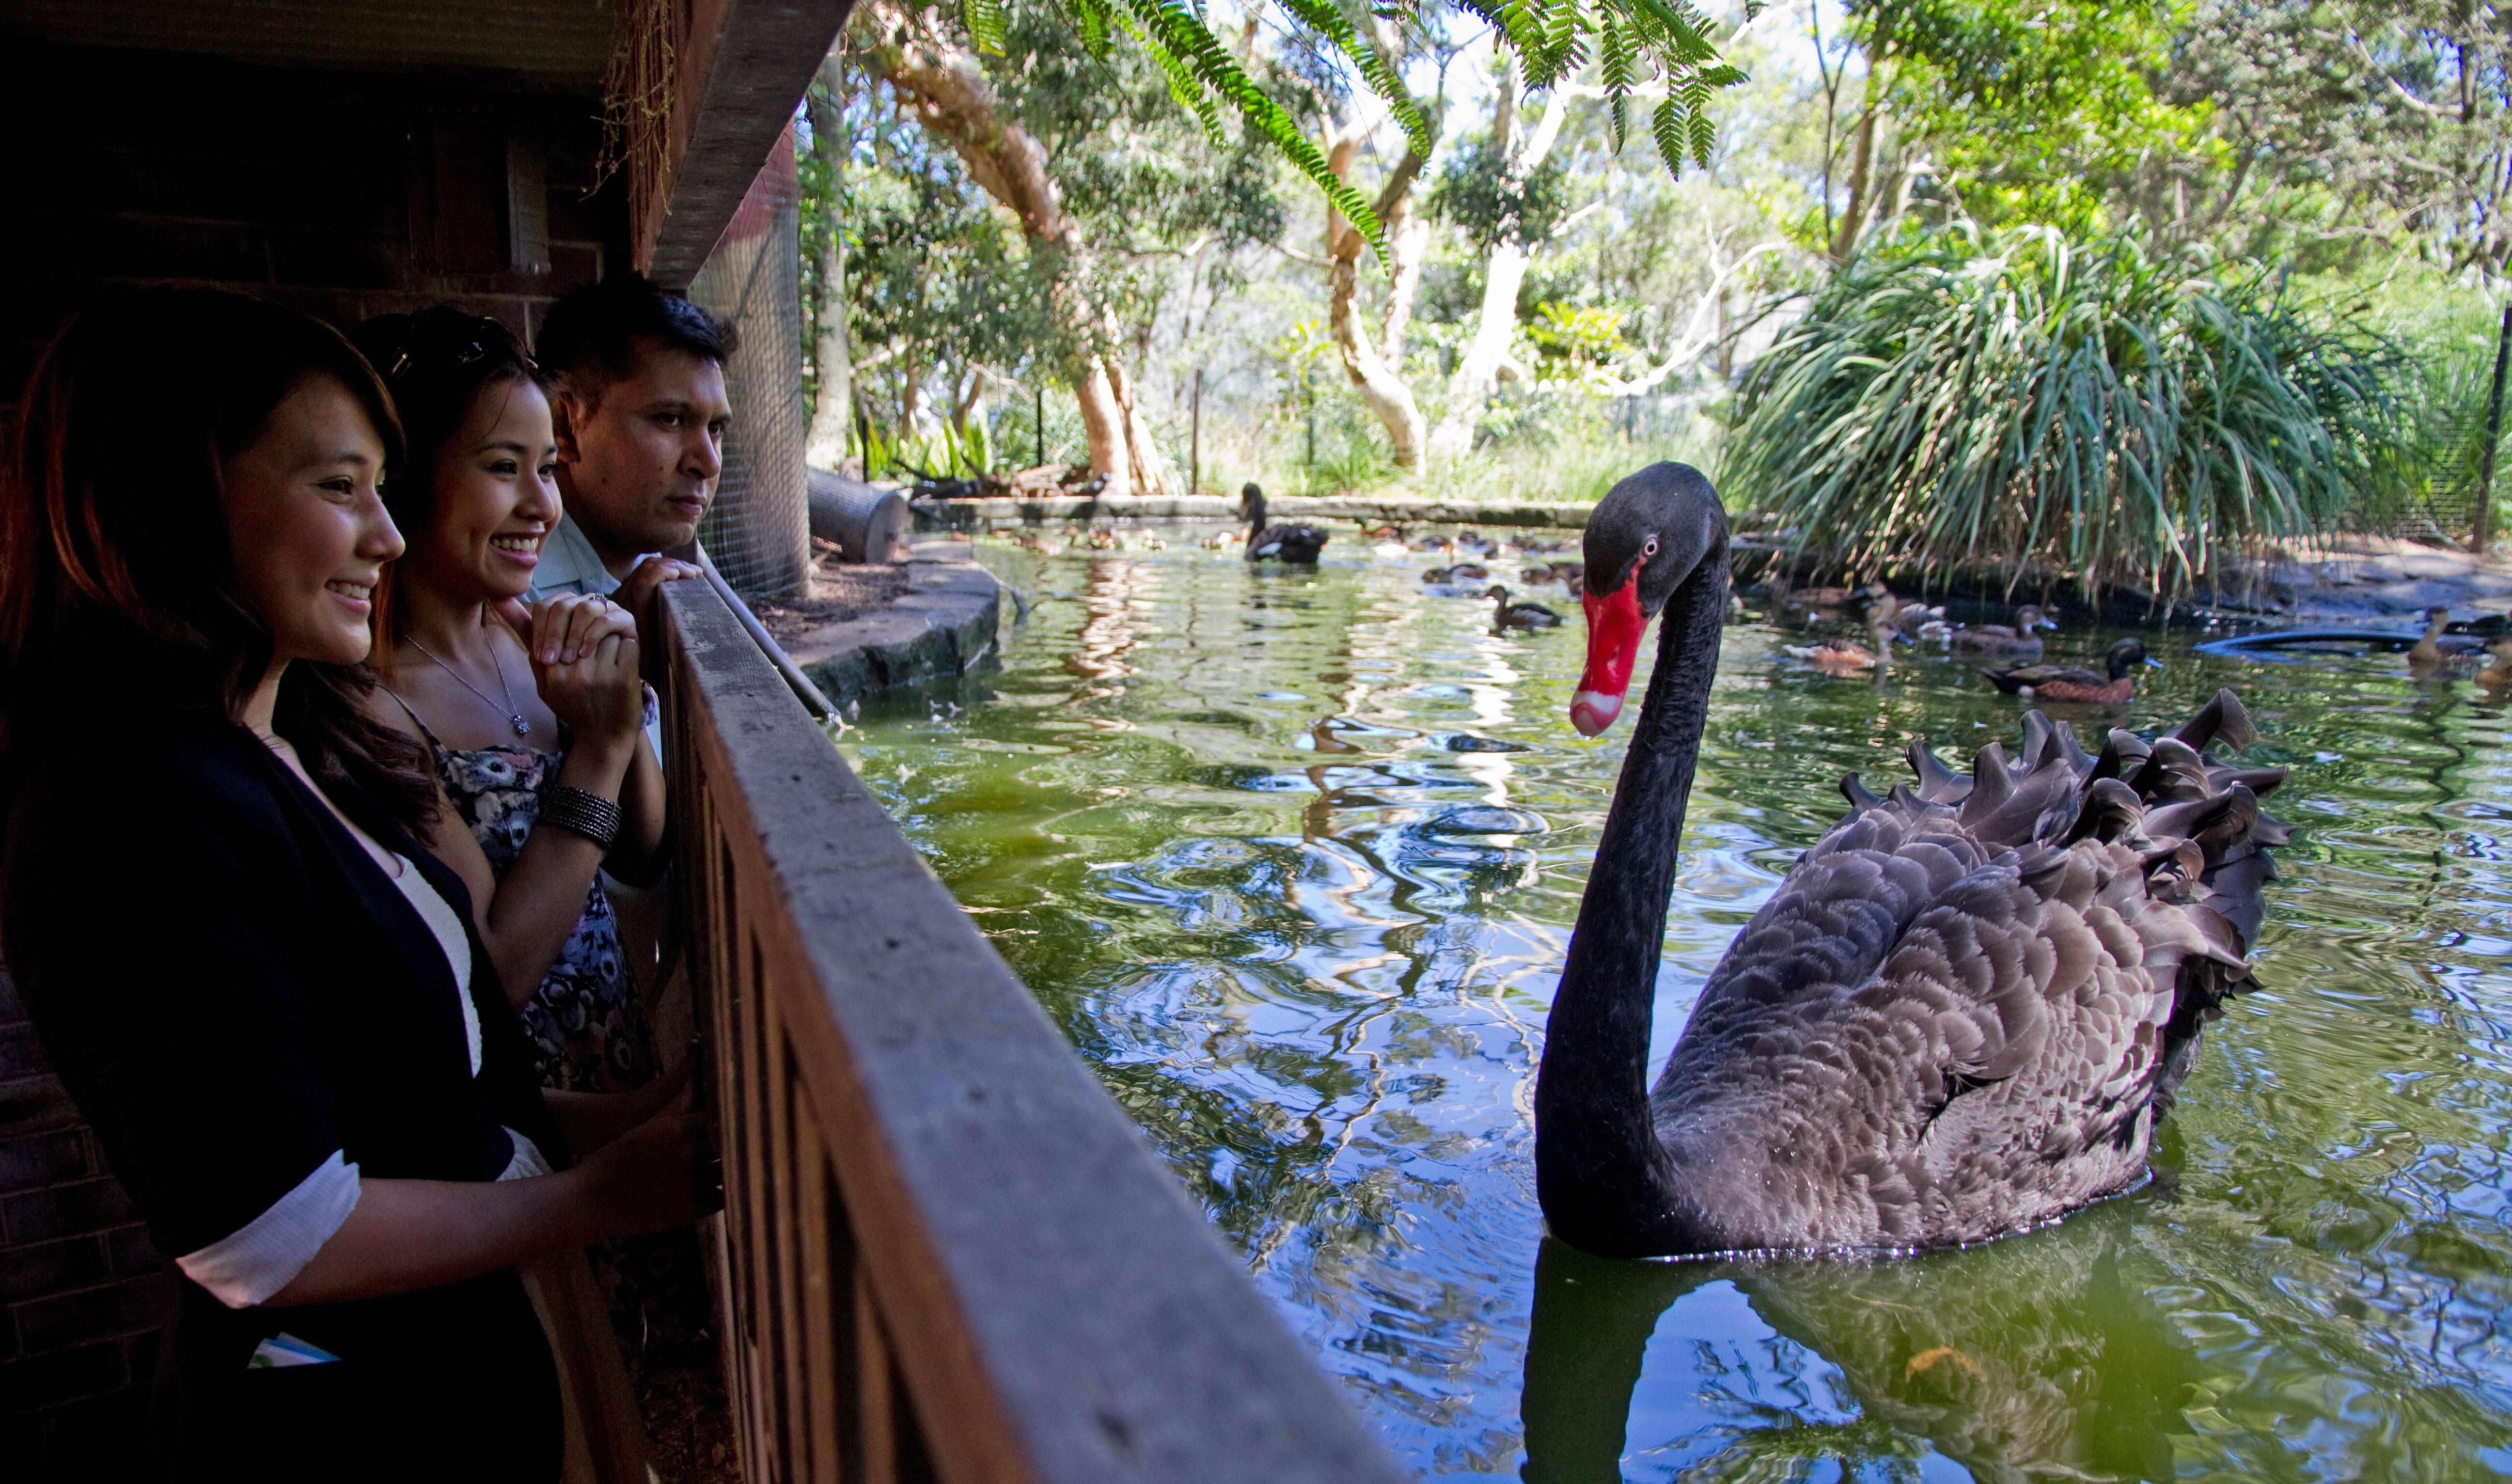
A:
[(265, 1254), (570, 564)]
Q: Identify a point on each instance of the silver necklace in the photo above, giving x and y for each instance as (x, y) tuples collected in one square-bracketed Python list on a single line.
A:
[(513, 717)]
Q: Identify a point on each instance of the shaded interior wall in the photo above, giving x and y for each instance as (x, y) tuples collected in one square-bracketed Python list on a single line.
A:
[(345, 195), (758, 532)]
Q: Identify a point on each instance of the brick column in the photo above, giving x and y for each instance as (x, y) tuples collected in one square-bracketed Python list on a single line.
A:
[(85, 1297)]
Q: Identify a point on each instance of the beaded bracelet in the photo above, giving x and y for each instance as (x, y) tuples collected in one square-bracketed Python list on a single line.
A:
[(590, 815)]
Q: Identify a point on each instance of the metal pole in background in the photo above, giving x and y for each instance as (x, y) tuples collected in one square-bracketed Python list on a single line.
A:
[(1194, 440), (2485, 538), (1038, 415)]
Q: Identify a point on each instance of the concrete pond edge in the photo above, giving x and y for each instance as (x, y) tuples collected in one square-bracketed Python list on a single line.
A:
[(946, 621)]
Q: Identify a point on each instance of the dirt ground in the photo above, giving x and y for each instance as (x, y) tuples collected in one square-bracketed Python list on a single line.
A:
[(838, 591)]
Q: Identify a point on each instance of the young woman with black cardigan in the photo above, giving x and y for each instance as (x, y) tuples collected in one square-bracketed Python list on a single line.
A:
[(270, 1002)]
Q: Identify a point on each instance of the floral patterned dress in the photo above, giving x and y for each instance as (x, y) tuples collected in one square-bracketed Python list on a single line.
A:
[(583, 1018)]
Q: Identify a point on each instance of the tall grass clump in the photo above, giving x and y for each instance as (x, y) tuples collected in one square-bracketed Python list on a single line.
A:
[(2107, 411)]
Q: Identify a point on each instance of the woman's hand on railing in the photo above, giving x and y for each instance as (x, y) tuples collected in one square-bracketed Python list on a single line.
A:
[(584, 660), (665, 1172), (588, 1120)]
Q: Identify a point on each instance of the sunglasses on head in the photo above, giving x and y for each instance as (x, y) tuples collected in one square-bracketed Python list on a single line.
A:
[(444, 339)]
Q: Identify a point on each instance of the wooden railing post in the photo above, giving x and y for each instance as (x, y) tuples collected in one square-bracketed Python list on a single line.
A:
[(946, 1254)]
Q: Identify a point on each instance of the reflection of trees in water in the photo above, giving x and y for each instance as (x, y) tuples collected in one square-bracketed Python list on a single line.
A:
[(2028, 1358)]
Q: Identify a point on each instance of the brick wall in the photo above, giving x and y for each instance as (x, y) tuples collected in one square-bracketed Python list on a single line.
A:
[(345, 195), (84, 1294)]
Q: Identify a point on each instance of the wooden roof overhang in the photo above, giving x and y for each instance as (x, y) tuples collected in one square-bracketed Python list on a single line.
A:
[(736, 70)]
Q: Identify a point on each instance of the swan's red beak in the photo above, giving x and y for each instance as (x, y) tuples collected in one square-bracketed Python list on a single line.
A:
[(1614, 626)]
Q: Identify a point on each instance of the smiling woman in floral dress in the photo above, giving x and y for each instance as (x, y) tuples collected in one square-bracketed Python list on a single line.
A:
[(533, 716)]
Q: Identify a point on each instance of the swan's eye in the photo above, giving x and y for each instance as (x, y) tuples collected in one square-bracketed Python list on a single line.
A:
[(1648, 549)]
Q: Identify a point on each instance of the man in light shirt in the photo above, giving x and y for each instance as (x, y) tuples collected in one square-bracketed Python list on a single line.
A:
[(641, 415)]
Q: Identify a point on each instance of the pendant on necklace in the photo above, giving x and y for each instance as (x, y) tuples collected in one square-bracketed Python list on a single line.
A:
[(522, 728)]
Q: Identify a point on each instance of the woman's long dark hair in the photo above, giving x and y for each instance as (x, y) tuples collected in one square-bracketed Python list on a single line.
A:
[(435, 363), (118, 586)]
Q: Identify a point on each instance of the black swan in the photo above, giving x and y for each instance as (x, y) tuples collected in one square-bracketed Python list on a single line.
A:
[(2063, 682), (1959, 1017), (1297, 545)]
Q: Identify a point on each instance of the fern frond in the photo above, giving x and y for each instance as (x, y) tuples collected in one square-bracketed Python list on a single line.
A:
[(1184, 86), (1522, 26), (1565, 41), (1329, 21), (1679, 30), (984, 18), (1172, 28), (1618, 68), (1666, 126), (1093, 15)]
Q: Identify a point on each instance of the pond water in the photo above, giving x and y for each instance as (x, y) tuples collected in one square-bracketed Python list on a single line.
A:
[(1214, 817)]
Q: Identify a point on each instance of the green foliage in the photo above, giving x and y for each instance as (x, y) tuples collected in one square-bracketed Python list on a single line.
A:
[(2115, 412), (2031, 110), (1199, 69), (1645, 42), (1478, 194), (1583, 337), (2347, 124), (985, 20)]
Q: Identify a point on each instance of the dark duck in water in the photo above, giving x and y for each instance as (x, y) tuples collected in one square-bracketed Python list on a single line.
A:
[(2061, 683), (1298, 545), (1520, 615), (1960, 1016)]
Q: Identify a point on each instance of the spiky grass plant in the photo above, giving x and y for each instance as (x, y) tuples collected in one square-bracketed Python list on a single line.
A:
[(2112, 413)]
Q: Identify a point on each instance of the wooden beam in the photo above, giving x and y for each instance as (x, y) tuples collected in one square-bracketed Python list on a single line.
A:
[(738, 75)]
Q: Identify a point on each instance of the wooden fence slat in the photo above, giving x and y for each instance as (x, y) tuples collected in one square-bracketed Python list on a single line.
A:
[(1028, 1293)]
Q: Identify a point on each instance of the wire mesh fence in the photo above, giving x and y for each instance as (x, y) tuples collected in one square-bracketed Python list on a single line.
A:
[(2441, 500), (759, 529)]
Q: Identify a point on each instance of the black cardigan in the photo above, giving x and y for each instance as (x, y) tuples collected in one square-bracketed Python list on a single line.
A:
[(231, 989)]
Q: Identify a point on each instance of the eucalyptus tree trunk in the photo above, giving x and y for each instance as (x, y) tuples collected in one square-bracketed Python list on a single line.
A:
[(824, 446), (1487, 359), (945, 86), (1372, 366), (1862, 162)]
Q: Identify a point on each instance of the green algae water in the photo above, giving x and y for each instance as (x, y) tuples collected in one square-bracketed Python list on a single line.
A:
[(1292, 857)]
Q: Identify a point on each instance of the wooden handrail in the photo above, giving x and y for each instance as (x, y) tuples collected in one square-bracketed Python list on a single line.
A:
[(945, 1252)]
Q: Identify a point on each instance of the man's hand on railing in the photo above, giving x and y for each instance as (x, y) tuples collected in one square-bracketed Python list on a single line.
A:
[(637, 596), (665, 1172)]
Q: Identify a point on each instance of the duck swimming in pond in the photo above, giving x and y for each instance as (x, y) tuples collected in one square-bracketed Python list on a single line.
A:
[(2063, 682), (2018, 639), (1903, 614), (1960, 1016), (1520, 615), (1847, 657), (2498, 674)]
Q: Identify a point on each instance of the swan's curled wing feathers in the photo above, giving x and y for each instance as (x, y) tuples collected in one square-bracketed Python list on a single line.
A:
[(1966, 1006)]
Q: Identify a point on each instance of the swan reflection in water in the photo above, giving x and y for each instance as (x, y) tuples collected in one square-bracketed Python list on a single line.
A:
[(2029, 1358)]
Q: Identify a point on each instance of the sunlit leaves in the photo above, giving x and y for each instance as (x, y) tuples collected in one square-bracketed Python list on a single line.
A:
[(985, 22), (1199, 67), (1376, 69), (1644, 44)]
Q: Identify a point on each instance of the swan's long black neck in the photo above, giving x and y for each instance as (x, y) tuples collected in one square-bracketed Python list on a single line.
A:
[(1605, 1183)]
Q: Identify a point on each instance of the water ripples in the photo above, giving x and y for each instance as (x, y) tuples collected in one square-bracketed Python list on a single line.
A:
[(1222, 824)]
